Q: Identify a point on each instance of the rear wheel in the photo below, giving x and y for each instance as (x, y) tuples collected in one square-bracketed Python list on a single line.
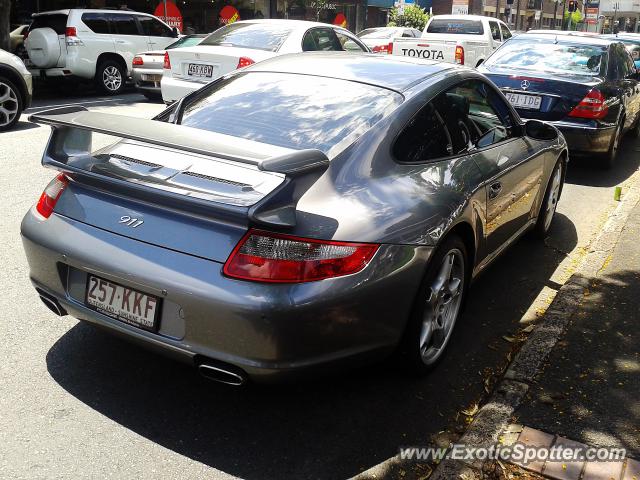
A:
[(550, 201), (610, 157), (437, 307), (10, 104), (110, 77)]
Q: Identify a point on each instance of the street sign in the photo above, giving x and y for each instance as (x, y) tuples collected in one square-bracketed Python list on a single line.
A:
[(460, 7), (537, 15)]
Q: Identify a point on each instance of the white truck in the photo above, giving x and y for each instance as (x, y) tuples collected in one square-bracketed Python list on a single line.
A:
[(462, 39)]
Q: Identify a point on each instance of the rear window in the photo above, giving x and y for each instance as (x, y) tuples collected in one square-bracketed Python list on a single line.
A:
[(455, 27), (57, 22), (291, 111), (377, 33), (556, 58), (188, 41), (259, 36)]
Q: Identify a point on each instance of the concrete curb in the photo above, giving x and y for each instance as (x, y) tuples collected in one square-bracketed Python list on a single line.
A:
[(493, 417)]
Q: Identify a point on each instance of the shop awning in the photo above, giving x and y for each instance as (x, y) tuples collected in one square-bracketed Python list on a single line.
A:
[(380, 3)]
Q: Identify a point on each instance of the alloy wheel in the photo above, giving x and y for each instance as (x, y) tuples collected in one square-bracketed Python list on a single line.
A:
[(554, 196), (444, 298), (112, 78), (9, 104)]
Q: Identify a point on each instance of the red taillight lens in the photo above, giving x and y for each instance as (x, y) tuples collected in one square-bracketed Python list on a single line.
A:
[(70, 32), (272, 257), (167, 62), (591, 106), (137, 61), (383, 48), (244, 62), (24, 37), (51, 194), (459, 57)]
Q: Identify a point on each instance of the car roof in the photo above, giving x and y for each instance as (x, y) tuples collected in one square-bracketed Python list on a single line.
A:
[(391, 72), (564, 38), (284, 21), (67, 11), (465, 17)]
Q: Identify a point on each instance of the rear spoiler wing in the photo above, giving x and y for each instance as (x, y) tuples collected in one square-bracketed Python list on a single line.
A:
[(73, 127)]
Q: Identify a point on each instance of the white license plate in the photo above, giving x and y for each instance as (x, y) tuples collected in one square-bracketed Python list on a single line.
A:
[(122, 303), (519, 100), (199, 70), (146, 77)]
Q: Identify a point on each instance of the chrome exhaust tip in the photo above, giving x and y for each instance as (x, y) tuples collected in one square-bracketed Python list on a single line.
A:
[(222, 375), (52, 303)]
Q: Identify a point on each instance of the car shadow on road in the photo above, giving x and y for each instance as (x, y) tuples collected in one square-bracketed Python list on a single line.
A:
[(22, 125), (588, 171), (330, 427)]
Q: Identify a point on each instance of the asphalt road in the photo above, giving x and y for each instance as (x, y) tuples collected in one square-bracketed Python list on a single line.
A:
[(76, 402)]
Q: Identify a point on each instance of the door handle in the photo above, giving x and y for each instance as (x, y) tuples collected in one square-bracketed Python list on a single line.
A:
[(495, 189)]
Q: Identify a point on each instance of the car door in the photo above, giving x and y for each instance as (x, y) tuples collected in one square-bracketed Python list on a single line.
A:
[(97, 33), (511, 166), (630, 87), (496, 36), (158, 34), (128, 37)]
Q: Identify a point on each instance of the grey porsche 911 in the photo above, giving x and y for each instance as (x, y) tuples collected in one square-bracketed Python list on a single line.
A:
[(306, 212)]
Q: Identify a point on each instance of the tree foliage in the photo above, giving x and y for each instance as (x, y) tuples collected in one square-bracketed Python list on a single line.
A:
[(576, 17), (414, 17)]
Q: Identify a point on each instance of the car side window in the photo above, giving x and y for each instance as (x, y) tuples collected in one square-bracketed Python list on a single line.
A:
[(349, 44), (321, 39), (97, 22), (506, 34), (424, 138), (154, 27), (124, 24), (478, 116), (495, 31)]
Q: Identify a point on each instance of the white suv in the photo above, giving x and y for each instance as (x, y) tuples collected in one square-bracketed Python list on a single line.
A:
[(93, 44)]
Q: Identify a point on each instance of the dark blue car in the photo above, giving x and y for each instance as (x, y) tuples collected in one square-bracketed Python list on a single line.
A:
[(586, 86)]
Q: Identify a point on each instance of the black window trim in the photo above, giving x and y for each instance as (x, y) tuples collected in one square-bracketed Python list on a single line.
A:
[(328, 27), (351, 37), (516, 133)]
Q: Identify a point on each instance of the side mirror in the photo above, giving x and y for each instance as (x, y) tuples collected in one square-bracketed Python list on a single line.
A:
[(176, 32), (540, 130)]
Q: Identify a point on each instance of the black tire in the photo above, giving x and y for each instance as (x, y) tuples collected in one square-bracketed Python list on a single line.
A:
[(111, 77), (153, 96), (543, 224), (609, 158), (11, 104), (410, 351)]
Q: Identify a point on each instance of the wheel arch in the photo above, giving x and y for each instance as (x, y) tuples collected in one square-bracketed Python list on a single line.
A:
[(103, 57), (14, 77), (465, 231)]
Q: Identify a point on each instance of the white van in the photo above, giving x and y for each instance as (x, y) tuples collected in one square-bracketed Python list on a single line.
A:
[(92, 44)]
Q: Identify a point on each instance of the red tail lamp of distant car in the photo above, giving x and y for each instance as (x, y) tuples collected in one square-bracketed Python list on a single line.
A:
[(459, 55), (167, 61), (137, 61), (277, 258), (51, 195), (244, 62), (592, 106), (383, 48)]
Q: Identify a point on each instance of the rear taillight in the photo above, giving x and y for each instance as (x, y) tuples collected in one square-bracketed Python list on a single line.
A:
[(459, 57), (276, 258), (71, 37), (383, 48), (244, 62), (167, 62), (51, 194), (591, 106), (137, 61)]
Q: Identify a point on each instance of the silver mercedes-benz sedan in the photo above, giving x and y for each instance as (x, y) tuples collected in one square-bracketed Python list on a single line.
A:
[(309, 211)]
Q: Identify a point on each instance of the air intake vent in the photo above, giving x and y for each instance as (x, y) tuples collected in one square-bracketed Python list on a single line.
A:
[(216, 179), (134, 160)]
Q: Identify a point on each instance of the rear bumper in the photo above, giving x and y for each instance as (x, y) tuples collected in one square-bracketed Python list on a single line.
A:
[(147, 80), (585, 140), (175, 88), (270, 331)]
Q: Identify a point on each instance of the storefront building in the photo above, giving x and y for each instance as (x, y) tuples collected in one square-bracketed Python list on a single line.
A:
[(204, 16)]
